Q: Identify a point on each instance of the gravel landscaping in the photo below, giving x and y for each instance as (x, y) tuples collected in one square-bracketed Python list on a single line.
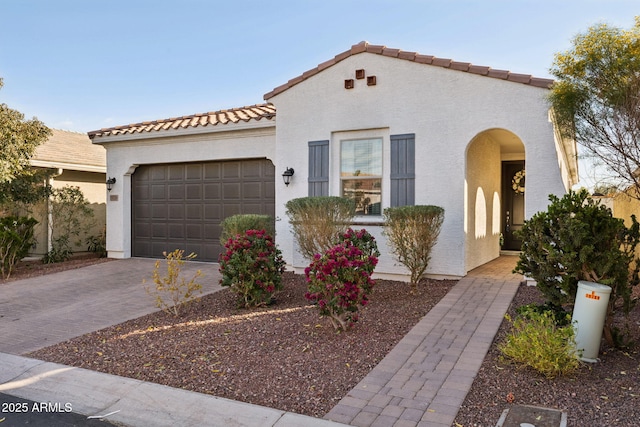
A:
[(283, 356), (602, 394), (286, 357)]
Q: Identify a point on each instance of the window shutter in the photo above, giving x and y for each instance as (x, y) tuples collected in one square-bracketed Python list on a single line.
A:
[(403, 169), (319, 168)]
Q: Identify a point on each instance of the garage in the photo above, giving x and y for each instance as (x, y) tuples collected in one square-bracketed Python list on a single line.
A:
[(181, 205)]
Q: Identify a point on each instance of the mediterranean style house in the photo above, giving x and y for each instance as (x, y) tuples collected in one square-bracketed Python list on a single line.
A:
[(382, 126)]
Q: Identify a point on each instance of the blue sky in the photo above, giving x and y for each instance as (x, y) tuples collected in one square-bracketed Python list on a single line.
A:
[(83, 65)]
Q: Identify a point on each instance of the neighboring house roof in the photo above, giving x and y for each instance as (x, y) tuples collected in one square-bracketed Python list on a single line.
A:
[(364, 46), (235, 115), (72, 151)]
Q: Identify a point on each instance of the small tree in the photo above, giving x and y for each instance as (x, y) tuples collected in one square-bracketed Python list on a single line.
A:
[(579, 239), (18, 141), (16, 237), (412, 232), (596, 98), (71, 216), (318, 221)]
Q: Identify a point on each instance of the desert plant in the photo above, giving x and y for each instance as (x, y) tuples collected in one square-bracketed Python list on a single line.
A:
[(172, 290), (412, 232), (252, 268), (579, 239), (339, 281), (16, 237), (317, 221), (235, 225), (536, 340)]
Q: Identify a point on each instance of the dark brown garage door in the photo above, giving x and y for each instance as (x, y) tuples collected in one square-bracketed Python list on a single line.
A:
[(180, 206)]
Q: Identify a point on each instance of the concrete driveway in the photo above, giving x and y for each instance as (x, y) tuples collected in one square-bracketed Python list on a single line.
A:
[(42, 311)]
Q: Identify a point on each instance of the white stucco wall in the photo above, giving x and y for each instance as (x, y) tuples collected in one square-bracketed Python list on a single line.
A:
[(445, 109), (125, 153)]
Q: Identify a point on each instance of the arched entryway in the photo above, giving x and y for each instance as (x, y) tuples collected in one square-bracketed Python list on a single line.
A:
[(494, 195)]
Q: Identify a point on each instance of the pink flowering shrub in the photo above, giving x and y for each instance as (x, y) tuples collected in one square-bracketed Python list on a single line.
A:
[(340, 280), (252, 267)]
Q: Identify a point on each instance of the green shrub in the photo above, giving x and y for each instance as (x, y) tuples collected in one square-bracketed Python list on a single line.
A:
[(536, 341), (172, 290), (60, 250), (237, 225), (16, 237), (579, 239), (317, 222), (71, 217), (412, 232), (252, 267), (98, 244)]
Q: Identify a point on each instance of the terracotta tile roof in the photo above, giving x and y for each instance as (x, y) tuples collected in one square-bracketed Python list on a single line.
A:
[(415, 57), (222, 117), (70, 150)]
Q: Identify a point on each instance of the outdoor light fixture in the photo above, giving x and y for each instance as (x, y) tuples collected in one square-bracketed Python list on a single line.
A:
[(110, 183), (286, 176)]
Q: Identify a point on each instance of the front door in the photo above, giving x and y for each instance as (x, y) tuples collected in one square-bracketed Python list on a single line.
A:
[(513, 181)]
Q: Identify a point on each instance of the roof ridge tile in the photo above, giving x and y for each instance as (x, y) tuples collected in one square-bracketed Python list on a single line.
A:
[(366, 47)]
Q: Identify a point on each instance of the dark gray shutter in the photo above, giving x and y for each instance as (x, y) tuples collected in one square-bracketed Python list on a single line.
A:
[(319, 168), (403, 169)]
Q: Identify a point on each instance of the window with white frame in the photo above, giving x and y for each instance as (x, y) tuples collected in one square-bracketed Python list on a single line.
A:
[(361, 174)]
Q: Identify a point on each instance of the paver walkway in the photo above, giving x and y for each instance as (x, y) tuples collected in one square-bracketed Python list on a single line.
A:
[(425, 378), (45, 310)]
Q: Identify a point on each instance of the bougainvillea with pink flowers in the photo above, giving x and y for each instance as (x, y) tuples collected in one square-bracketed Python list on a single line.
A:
[(252, 267), (339, 281)]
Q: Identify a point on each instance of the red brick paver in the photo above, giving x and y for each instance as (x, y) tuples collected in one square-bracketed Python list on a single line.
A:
[(425, 378)]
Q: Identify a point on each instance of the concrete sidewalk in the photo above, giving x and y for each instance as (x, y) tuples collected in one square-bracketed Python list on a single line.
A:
[(130, 402), (421, 382)]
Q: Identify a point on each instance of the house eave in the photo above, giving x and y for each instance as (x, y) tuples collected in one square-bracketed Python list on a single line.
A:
[(68, 166), (188, 131)]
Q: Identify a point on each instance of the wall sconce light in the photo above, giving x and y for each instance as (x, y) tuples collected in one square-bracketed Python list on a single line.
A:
[(110, 183), (286, 176)]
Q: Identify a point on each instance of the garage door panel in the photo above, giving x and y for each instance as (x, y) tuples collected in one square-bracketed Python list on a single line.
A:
[(252, 190), (194, 212), (157, 174), (212, 213), (212, 171), (232, 191), (175, 192), (193, 191), (231, 170), (175, 172), (193, 172), (159, 231), (176, 212), (180, 206), (212, 191), (194, 231), (158, 192), (176, 231)]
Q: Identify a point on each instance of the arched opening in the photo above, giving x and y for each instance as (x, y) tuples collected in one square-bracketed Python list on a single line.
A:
[(494, 209)]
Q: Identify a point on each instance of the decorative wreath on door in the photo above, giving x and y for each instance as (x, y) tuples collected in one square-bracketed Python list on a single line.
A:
[(517, 183)]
